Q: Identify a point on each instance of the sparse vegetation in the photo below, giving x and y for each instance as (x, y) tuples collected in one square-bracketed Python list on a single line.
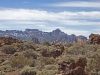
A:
[(26, 57), (21, 61), (8, 49), (28, 71), (2, 73)]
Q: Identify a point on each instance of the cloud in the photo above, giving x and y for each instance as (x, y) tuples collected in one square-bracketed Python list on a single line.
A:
[(21, 19), (76, 32), (70, 18), (76, 4), (27, 22)]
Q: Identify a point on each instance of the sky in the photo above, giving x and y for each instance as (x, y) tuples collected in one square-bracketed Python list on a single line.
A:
[(79, 17)]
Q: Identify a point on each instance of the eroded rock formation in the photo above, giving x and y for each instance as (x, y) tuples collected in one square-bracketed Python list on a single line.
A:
[(72, 68), (94, 39)]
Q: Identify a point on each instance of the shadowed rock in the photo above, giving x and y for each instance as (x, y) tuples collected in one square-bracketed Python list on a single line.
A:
[(53, 53), (72, 68)]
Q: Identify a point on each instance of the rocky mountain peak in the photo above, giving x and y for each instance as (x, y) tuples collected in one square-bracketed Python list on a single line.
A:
[(57, 30), (28, 34)]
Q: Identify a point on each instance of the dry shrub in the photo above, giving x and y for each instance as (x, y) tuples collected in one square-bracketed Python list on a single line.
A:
[(30, 53), (49, 70), (2, 73), (93, 65), (8, 49), (21, 61), (48, 60), (28, 71)]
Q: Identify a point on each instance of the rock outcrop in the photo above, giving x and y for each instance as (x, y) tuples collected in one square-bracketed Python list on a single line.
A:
[(72, 68), (53, 53), (8, 41), (94, 39), (35, 40), (80, 41)]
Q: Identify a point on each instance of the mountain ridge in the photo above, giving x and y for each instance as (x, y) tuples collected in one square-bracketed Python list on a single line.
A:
[(29, 34)]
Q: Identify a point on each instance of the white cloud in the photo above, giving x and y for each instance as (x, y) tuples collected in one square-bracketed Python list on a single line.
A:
[(76, 4), (76, 32), (48, 21), (27, 22), (70, 18), (78, 22)]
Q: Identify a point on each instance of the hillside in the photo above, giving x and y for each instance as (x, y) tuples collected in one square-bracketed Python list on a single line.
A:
[(27, 58)]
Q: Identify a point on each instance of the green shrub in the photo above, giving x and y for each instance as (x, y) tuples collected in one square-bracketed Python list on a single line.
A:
[(51, 67), (48, 72), (30, 53), (41, 47), (2, 73), (30, 45), (6, 62), (46, 43), (25, 46), (28, 71), (5, 68), (16, 54), (93, 65), (48, 60), (21, 61), (8, 49)]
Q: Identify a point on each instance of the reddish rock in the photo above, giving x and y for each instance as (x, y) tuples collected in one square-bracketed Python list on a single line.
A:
[(72, 68), (94, 39), (53, 53), (8, 41)]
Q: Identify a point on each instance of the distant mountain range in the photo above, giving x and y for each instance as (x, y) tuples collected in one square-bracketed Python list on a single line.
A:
[(28, 34)]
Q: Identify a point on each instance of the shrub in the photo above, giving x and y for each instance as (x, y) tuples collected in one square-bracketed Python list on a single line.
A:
[(51, 67), (28, 71), (93, 65), (48, 60), (30, 53), (41, 47), (29, 45), (48, 72), (46, 43), (8, 49), (21, 61), (5, 68), (2, 73), (16, 54), (25, 46), (6, 62)]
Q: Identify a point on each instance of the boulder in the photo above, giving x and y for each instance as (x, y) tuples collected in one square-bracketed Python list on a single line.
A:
[(94, 39)]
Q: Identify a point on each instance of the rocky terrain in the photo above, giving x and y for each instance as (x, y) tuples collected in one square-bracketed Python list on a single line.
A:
[(29, 34), (28, 58)]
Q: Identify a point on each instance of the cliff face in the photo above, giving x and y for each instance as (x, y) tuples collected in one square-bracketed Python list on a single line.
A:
[(28, 34)]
